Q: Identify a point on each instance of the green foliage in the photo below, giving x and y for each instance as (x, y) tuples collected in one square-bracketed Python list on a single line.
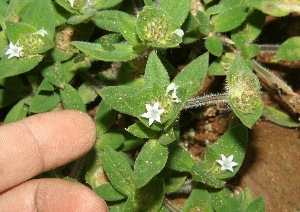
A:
[(244, 92), (108, 192), (278, 117), (289, 50), (179, 159), (199, 200), (156, 28), (119, 172), (230, 18), (150, 161), (134, 66)]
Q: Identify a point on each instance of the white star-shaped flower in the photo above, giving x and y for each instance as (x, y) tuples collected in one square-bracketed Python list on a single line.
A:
[(179, 32), (153, 113), (71, 2), (227, 163), (173, 87), (42, 32), (14, 50)]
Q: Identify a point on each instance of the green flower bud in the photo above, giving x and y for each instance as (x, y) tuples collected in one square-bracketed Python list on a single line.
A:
[(155, 27)]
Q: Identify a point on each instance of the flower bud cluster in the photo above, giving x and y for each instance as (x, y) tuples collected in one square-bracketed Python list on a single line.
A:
[(243, 91)]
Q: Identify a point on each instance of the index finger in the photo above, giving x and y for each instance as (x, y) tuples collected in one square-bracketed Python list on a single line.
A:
[(42, 142)]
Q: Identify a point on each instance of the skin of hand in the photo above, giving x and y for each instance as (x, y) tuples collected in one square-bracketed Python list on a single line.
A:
[(40, 143)]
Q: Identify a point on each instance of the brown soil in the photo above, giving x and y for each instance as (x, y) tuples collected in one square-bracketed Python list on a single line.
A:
[(271, 166)]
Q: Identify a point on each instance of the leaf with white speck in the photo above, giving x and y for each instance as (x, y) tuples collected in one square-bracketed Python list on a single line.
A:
[(150, 161)]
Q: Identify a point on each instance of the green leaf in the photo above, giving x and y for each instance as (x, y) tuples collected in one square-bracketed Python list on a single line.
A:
[(55, 75), (273, 7), (40, 14), (289, 50), (224, 200), (118, 171), (141, 131), (174, 181), (245, 198), (167, 137), (155, 73), (127, 27), (252, 51), (150, 197), (204, 22), (244, 92), (150, 161), (131, 142), (108, 192), (45, 86), (179, 159), (105, 117), (15, 66), (7, 97), (254, 25), (18, 112), (113, 139), (126, 99), (192, 76), (102, 4), (233, 142), (278, 117), (3, 42), (3, 11), (108, 19), (82, 18), (214, 45), (71, 99), (258, 205), (44, 101), (191, 24), (87, 93), (108, 41), (177, 10), (203, 173), (199, 200), (15, 84), (122, 52), (230, 18), (156, 28), (216, 68)]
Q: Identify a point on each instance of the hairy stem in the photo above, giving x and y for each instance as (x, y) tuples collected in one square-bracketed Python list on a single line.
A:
[(268, 48), (206, 100), (170, 206), (272, 79)]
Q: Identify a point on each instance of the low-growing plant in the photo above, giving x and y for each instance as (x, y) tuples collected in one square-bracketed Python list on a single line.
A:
[(120, 54)]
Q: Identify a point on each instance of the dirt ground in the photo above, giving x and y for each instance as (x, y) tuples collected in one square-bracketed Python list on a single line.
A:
[(271, 166)]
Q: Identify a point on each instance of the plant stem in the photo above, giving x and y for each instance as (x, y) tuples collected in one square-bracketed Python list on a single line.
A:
[(272, 79), (268, 48), (206, 100), (170, 206)]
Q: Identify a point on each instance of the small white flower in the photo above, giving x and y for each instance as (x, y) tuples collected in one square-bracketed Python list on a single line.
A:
[(227, 163), (14, 50), (42, 32), (173, 87), (175, 97), (179, 32), (153, 113), (71, 2)]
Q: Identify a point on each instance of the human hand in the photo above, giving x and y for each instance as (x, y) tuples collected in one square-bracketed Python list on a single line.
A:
[(40, 143)]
